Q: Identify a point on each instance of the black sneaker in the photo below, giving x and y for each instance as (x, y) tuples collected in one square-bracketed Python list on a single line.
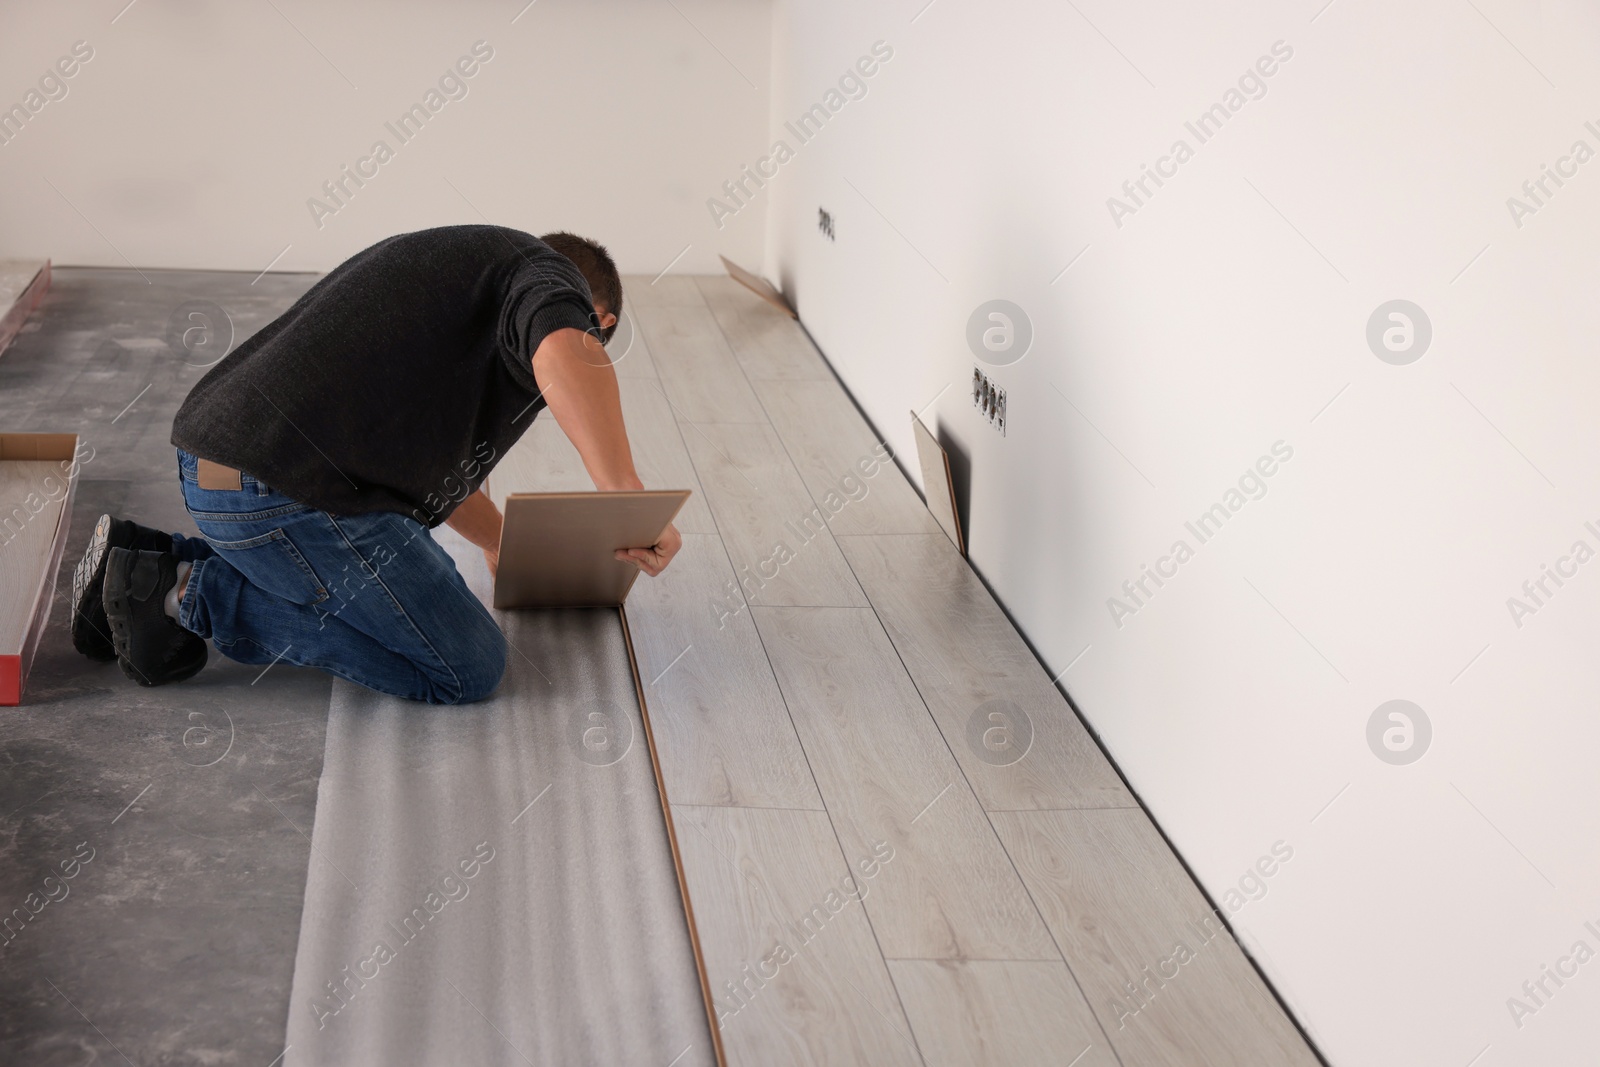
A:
[(151, 648), (91, 634)]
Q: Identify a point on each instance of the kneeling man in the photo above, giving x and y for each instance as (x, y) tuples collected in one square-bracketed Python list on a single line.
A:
[(317, 457)]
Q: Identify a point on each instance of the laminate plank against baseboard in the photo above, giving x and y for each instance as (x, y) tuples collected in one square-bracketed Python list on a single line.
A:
[(1166, 979), (834, 450), (767, 343), (971, 665), (722, 730), (794, 969), (1001, 1012), (697, 368), (544, 461), (886, 774), (777, 536)]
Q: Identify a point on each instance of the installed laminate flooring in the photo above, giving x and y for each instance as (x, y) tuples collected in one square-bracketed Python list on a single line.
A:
[(776, 534), (1016, 1012), (696, 366), (841, 460), (794, 968), (892, 707), (886, 774), (1018, 741), (767, 343), (1127, 915), (721, 723)]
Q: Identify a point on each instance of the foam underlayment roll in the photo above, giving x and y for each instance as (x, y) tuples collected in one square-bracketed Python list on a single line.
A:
[(492, 883)]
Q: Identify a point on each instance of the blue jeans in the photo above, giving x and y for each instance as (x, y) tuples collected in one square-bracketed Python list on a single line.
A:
[(371, 598)]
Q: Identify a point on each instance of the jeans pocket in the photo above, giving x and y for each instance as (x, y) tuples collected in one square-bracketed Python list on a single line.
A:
[(272, 562)]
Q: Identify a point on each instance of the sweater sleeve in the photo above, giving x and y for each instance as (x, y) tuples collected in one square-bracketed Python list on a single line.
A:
[(546, 293)]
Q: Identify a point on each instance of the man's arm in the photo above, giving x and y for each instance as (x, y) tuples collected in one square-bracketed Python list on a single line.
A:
[(580, 388), (478, 520)]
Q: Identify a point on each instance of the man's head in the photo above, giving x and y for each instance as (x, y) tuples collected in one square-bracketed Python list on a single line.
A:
[(592, 259)]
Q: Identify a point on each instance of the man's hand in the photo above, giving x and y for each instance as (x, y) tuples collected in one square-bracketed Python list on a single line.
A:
[(654, 560), (478, 520)]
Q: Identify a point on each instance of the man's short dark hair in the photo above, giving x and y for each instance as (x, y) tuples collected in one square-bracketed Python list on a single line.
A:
[(591, 257)]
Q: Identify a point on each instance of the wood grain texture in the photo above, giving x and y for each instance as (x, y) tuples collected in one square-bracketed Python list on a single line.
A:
[(697, 369), (1126, 913), (629, 351), (767, 343), (1002, 1012), (29, 518), (721, 726), (668, 290), (761, 880), (544, 461), (777, 536), (965, 655), (886, 774), (833, 449)]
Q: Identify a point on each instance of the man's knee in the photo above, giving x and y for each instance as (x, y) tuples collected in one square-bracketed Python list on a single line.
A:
[(479, 675)]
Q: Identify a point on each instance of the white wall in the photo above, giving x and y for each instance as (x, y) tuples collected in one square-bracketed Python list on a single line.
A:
[(197, 133), (1222, 317)]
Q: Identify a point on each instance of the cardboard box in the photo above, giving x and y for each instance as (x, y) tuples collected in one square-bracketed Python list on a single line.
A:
[(38, 477), (23, 284)]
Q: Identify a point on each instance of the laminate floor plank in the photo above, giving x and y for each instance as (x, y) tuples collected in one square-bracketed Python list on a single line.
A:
[(886, 774), (768, 343), (722, 730), (777, 536), (1126, 913), (629, 351), (793, 964), (970, 666), (697, 369), (844, 465), (667, 290), (1001, 1012)]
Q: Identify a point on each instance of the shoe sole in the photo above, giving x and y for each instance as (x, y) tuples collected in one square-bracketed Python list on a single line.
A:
[(132, 673), (90, 628)]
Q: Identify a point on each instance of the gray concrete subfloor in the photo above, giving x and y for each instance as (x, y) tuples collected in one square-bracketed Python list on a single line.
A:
[(175, 943)]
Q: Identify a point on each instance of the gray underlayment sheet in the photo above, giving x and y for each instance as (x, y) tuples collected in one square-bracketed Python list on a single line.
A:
[(492, 883)]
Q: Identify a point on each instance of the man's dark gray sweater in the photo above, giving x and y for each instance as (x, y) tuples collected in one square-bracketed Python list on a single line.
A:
[(398, 380)]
